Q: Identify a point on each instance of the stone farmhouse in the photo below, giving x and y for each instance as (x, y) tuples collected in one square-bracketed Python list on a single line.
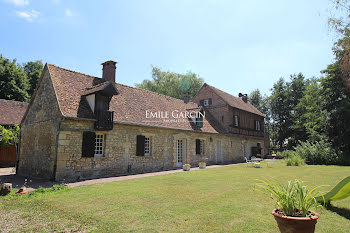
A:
[(78, 127)]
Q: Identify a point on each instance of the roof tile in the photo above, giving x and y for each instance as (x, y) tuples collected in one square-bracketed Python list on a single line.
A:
[(129, 106), (11, 112)]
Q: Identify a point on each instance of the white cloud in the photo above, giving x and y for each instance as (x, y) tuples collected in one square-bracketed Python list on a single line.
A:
[(68, 12), (19, 2), (28, 15)]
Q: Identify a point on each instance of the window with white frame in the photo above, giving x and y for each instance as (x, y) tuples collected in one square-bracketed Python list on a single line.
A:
[(147, 146), (206, 102), (236, 119), (257, 125), (99, 144)]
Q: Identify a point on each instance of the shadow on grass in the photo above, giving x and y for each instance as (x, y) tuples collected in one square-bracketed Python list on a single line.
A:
[(344, 212)]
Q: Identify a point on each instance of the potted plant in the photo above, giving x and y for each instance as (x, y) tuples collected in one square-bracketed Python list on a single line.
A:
[(202, 165), (186, 167), (293, 206)]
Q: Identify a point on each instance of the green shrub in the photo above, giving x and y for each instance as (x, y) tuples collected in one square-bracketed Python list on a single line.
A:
[(293, 198), (318, 153), (285, 153), (295, 160), (9, 135)]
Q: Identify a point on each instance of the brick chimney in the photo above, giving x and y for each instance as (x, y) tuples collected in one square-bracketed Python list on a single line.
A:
[(108, 70), (244, 97), (186, 97)]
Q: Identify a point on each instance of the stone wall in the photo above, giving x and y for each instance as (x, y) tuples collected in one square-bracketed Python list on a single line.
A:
[(38, 132), (120, 150)]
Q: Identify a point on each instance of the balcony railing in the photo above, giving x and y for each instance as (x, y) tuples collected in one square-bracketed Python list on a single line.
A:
[(104, 120), (247, 132)]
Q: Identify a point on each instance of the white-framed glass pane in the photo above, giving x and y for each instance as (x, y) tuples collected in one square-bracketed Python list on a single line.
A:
[(147, 146), (99, 141), (206, 102), (236, 121), (201, 147), (179, 150), (257, 125)]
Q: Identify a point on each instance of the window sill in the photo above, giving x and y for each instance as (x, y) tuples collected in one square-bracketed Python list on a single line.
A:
[(92, 158)]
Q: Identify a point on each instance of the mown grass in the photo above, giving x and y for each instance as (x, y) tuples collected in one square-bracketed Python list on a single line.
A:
[(210, 200)]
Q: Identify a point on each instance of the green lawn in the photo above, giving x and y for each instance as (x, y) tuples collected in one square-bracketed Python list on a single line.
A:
[(209, 200)]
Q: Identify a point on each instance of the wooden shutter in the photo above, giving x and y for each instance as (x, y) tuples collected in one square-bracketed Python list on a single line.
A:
[(88, 146), (209, 101), (201, 102), (140, 145), (238, 121), (198, 146)]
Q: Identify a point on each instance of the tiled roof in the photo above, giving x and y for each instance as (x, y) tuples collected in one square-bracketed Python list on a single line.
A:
[(129, 106), (235, 101), (11, 112)]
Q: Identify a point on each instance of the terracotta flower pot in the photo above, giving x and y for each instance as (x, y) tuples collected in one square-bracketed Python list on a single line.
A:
[(295, 224)]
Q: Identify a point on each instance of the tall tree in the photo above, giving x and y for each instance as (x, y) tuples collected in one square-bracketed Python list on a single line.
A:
[(298, 85), (33, 71), (13, 81), (310, 117), (171, 84), (281, 112), (337, 105), (283, 101), (336, 83), (261, 102)]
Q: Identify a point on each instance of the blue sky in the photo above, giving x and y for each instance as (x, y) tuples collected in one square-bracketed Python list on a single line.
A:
[(237, 46)]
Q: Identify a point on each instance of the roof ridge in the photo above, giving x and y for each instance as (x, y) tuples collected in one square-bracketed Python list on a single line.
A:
[(73, 71), (223, 91), (118, 83)]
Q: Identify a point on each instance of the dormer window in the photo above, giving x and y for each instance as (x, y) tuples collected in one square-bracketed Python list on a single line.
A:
[(199, 119), (99, 97), (206, 102)]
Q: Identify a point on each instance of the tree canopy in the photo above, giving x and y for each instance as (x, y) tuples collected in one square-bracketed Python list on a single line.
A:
[(171, 83), (13, 81), (33, 71), (18, 82)]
